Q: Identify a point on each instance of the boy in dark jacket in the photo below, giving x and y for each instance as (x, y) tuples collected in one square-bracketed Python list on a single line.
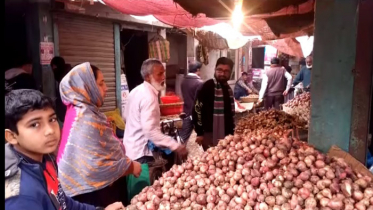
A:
[(32, 133)]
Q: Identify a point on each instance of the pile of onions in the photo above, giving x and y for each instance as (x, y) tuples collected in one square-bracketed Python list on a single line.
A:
[(250, 96), (268, 121), (259, 172), (299, 106)]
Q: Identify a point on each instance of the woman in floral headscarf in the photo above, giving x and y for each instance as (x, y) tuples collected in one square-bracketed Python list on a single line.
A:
[(91, 160)]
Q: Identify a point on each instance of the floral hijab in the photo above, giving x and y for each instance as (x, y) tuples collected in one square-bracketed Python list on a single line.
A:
[(90, 157)]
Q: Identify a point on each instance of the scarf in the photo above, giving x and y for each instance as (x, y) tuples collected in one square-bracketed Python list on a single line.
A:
[(218, 118), (90, 157)]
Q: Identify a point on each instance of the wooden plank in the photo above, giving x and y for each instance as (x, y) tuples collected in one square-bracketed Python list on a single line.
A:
[(356, 166), (89, 48), (362, 95), (93, 40), (78, 28), (66, 19), (68, 42), (80, 59), (83, 32), (87, 53), (118, 70)]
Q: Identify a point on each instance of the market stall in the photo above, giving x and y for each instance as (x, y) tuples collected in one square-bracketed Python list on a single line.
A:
[(300, 106), (263, 166)]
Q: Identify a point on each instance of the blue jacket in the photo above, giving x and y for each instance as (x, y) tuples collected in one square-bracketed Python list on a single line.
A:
[(26, 187), (303, 76), (369, 160)]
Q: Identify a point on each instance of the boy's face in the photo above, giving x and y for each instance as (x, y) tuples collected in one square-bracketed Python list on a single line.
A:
[(38, 133)]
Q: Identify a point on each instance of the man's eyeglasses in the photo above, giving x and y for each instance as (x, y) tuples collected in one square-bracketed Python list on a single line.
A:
[(223, 71)]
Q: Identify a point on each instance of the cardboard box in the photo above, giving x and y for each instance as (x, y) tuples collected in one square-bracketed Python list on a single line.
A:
[(356, 166)]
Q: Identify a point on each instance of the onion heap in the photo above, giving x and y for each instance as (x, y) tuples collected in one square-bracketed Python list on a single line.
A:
[(268, 121), (299, 106), (250, 96), (266, 171)]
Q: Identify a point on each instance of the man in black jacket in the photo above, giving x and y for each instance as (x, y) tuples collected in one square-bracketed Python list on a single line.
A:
[(20, 76), (214, 107), (60, 69), (189, 87)]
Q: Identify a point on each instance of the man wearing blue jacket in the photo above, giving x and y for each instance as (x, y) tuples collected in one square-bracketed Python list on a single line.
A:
[(33, 134), (304, 74)]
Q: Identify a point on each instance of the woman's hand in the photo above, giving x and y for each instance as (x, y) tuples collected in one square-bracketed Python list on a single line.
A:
[(182, 151), (115, 206), (136, 169)]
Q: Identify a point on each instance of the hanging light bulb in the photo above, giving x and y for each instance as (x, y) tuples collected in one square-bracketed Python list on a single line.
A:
[(237, 15)]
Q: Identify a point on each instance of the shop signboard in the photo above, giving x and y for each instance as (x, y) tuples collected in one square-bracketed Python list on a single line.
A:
[(124, 91), (257, 73), (269, 53)]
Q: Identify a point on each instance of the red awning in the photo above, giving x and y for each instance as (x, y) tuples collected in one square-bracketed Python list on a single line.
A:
[(165, 11), (289, 46), (171, 13)]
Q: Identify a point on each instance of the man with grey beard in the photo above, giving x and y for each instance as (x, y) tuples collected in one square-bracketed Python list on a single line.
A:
[(142, 116)]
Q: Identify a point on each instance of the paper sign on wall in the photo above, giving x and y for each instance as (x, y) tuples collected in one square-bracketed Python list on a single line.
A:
[(124, 91), (46, 52)]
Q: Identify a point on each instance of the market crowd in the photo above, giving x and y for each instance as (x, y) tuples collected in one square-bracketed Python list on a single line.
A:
[(84, 166)]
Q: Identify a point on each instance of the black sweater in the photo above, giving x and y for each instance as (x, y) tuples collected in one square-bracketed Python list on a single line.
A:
[(204, 109), (21, 81)]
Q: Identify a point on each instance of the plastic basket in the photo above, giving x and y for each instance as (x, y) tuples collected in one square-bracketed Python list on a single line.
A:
[(170, 99), (171, 109)]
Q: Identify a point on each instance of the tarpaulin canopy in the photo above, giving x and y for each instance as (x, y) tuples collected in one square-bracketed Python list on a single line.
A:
[(218, 8), (289, 46), (277, 22), (165, 11), (274, 25), (282, 17)]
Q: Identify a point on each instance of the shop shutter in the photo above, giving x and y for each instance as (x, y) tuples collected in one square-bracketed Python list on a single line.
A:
[(83, 39)]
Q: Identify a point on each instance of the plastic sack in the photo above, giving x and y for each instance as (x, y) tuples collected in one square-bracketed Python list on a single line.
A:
[(136, 185), (116, 117), (159, 49)]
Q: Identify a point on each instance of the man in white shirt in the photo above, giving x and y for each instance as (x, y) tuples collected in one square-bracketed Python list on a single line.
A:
[(142, 116), (274, 87)]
